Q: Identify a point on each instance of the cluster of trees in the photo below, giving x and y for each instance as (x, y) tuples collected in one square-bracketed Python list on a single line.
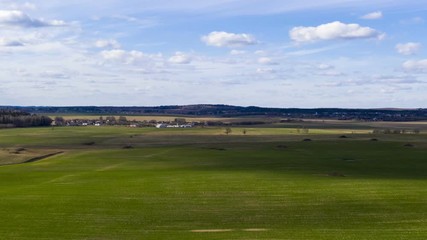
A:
[(15, 118), (113, 120)]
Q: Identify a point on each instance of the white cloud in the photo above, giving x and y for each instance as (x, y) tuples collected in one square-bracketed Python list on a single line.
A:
[(324, 66), (416, 66), (107, 43), (330, 73), (237, 52), (121, 55), (17, 18), (266, 61), (224, 39), (25, 5), (395, 79), (331, 31), (373, 15), (180, 58), (140, 23), (327, 70), (265, 70), (130, 57), (54, 75), (10, 43), (409, 48)]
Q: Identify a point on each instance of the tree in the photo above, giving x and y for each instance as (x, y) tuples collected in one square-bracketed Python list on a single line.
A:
[(244, 131), (111, 120), (228, 131), (122, 120), (180, 121), (59, 121)]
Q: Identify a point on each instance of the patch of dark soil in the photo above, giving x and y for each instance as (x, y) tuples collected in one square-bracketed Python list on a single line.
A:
[(374, 140), (343, 136), (307, 140), (128, 147), (18, 151), (409, 145), (88, 143)]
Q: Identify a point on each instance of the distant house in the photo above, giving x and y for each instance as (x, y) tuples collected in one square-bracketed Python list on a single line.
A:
[(97, 124), (164, 125), (161, 125)]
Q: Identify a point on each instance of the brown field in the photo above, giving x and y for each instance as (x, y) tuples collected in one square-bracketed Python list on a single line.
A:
[(172, 118)]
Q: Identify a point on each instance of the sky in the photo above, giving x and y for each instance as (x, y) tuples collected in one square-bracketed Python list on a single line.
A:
[(270, 53)]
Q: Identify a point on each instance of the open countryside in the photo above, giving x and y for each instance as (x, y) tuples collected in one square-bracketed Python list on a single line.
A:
[(213, 120), (114, 182)]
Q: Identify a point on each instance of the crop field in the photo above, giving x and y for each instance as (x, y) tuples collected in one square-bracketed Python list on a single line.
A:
[(155, 118), (262, 183)]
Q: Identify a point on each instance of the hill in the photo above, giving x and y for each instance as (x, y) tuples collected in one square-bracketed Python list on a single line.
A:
[(238, 111)]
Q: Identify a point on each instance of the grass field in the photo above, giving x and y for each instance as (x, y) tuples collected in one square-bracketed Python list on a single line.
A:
[(203, 184)]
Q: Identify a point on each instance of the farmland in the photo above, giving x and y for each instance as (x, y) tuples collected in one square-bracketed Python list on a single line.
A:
[(342, 182)]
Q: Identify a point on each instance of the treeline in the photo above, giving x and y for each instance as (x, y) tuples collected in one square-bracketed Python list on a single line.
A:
[(15, 118), (236, 111)]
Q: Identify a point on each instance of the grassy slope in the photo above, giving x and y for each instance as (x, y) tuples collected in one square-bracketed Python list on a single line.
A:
[(164, 191)]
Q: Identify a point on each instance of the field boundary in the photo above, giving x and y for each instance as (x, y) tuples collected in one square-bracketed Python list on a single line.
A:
[(34, 159)]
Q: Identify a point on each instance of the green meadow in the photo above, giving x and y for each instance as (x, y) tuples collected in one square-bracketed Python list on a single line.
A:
[(266, 183)]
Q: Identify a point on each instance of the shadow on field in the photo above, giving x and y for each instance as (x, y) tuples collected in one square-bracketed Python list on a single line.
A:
[(349, 159)]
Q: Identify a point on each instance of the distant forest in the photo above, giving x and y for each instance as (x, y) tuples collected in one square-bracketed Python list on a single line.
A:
[(15, 118), (237, 111)]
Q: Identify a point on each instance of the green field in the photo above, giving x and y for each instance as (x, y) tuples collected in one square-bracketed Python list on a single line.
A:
[(146, 183)]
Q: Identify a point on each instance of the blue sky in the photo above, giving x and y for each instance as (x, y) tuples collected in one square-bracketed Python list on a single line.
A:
[(273, 53)]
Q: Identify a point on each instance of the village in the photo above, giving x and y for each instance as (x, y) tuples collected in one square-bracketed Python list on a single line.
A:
[(123, 121)]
